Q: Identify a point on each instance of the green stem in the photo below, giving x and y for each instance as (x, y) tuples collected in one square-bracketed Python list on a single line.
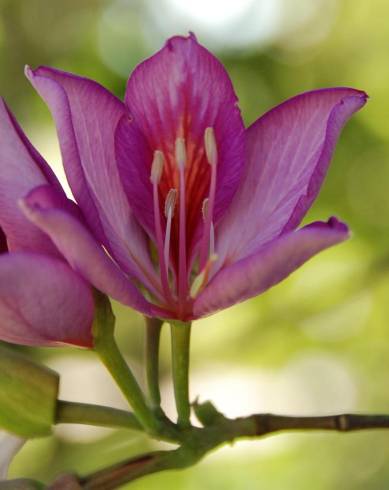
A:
[(88, 414), (110, 355), (153, 333), (180, 335)]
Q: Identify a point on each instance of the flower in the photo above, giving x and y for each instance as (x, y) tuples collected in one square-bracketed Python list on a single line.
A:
[(185, 211), (9, 446), (42, 300)]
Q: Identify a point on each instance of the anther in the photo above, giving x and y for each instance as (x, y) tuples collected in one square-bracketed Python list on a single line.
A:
[(180, 153), (205, 209), (170, 203), (210, 146), (157, 167)]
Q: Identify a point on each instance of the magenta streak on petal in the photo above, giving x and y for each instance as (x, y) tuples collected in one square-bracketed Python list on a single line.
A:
[(82, 252), (43, 302), (86, 115), (21, 169), (289, 150), (271, 264)]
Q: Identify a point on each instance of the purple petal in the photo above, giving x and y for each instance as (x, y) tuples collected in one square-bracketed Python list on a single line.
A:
[(268, 266), (21, 169), (43, 302), (86, 116), (179, 92), (288, 151), (81, 250)]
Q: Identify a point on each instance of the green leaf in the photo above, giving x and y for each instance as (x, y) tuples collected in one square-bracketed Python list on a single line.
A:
[(28, 395)]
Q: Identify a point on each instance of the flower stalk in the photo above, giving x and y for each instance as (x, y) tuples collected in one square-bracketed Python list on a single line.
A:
[(153, 333), (109, 353), (180, 340)]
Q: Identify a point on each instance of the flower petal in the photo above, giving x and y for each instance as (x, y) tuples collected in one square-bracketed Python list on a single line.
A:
[(21, 169), (86, 115), (179, 92), (43, 302), (268, 266), (9, 446), (288, 151), (81, 250)]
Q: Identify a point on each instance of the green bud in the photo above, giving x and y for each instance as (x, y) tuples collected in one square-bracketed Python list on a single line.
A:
[(28, 395)]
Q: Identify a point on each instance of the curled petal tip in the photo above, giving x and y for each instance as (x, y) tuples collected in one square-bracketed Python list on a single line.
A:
[(28, 72), (190, 37), (336, 224)]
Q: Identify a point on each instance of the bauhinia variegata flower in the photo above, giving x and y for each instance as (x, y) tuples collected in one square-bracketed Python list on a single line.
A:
[(181, 211)]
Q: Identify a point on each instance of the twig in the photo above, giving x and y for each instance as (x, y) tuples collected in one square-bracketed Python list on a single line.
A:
[(202, 440)]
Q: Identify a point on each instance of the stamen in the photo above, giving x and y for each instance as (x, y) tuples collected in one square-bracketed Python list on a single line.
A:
[(170, 204), (208, 242), (201, 279), (204, 209), (182, 267), (157, 167), (156, 173), (212, 240), (212, 229), (210, 146)]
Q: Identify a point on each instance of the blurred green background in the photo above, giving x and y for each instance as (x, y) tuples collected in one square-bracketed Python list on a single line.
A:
[(315, 344)]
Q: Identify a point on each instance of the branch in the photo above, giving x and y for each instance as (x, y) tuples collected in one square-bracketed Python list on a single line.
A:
[(199, 441), (267, 423)]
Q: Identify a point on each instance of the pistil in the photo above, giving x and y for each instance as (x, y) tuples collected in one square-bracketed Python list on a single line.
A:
[(180, 155)]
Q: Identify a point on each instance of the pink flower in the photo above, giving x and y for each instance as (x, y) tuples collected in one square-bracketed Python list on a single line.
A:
[(42, 300), (183, 210)]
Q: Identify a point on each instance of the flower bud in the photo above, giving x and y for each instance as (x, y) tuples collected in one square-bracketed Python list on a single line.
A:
[(28, 395)]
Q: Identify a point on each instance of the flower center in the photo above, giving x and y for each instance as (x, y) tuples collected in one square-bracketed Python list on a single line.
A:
[(173, 257)]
